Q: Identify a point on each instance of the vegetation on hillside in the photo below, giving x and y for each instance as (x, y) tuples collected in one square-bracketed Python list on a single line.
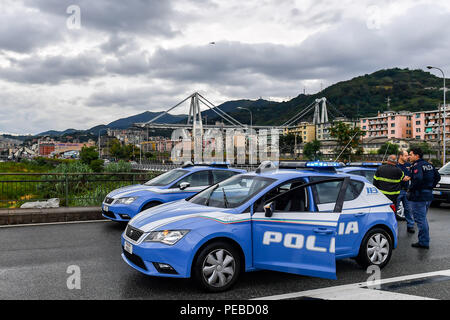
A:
[(363, 96)]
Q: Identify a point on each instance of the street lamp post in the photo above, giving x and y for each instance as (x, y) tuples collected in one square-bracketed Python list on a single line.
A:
[(445, 114)]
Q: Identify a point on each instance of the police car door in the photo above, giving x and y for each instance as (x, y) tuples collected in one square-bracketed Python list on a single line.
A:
[(290, 237)]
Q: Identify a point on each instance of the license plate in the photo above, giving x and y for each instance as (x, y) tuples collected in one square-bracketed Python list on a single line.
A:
[(106, 208), (437, 193), (128, 247)]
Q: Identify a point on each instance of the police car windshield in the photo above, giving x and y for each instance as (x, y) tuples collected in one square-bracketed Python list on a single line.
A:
[(166, 178), (232, 192), (445, 170)]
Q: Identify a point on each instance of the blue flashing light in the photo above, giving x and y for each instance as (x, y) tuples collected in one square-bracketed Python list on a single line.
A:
[(364, 164), (322, 164)]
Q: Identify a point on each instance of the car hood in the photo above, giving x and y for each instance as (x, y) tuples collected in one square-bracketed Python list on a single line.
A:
[(163, 214), (444, 180), (133, 190)]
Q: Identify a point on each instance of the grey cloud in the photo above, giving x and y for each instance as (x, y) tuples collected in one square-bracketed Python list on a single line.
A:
[(53, 69), (138, 97), (150, 17), (22, 30)]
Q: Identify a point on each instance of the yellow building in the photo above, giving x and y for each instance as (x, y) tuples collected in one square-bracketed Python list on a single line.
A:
[(306, 130)]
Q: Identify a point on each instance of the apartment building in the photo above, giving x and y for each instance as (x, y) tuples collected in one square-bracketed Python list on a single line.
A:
[(306, 130), (389, 124), (427, 125)]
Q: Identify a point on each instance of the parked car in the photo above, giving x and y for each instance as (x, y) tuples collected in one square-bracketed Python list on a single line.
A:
[(367, 170), (442, 191), (363, 169), (297, 219), (124, 203)]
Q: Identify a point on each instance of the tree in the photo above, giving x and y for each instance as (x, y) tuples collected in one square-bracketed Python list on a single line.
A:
[(287, 143), (388, 149), (311, 150), (89, 156), (122, 152), (346, 137)]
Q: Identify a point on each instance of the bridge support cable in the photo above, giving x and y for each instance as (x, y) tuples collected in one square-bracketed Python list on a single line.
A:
[(299, 115), (167, 111), (218, 111)]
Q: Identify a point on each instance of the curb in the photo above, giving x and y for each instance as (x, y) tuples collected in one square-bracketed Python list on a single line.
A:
[(46, 215)]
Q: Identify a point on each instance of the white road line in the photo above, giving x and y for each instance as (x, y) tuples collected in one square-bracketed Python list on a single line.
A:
[(358, 291), (51, 223)]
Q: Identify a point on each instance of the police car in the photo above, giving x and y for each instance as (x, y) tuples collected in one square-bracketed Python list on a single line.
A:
[(367, 170), (124, 203), (363, 169), (298, 218), (441, 192)]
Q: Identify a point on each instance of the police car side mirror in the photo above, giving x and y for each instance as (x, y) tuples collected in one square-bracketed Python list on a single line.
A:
[(184, 185), (268, 209)]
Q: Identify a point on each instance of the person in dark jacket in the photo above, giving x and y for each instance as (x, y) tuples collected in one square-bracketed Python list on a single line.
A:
[(388, 177), (424, 178), (404, 165)]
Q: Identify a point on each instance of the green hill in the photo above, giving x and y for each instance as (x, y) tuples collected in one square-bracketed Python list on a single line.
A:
[(363, 96)]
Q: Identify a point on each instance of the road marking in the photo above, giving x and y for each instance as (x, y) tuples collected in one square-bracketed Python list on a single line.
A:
[(51, 223), (359, 291)]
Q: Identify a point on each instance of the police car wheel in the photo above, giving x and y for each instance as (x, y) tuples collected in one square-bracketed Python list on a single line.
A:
[(376, 248), (217, 267)]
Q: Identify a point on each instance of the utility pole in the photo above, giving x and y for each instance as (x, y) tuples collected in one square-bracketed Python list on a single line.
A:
[(444, 116)]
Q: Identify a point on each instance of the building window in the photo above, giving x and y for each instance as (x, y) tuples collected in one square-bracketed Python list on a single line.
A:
[(392, 125), (392, 131), (418, 130), (418, 122), (392, 118), (417, 115)]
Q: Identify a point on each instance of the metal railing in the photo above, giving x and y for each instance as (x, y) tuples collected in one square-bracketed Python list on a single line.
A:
[(73, 189)]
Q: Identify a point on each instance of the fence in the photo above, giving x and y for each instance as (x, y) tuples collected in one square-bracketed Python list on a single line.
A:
[(73, 189)]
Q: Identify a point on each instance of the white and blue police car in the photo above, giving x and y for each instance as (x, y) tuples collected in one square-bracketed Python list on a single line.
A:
[(124, 203), (298, 218), (363, 169)]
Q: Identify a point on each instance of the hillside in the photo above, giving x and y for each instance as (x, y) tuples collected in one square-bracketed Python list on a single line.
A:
[(363, 96)]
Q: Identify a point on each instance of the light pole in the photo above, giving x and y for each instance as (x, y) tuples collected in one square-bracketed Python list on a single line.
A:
[(445, 114)]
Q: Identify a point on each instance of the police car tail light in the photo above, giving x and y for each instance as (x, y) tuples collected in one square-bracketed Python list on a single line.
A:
[(393, 208)]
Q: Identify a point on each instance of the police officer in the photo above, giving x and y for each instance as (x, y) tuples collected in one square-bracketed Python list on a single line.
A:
[(424, 178), (405, 166), (387, 178)]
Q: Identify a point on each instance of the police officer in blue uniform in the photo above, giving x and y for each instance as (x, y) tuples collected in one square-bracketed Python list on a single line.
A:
[(424, 178), (404, 165)]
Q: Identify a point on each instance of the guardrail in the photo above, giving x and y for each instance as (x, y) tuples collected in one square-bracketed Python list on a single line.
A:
[(73, 189)]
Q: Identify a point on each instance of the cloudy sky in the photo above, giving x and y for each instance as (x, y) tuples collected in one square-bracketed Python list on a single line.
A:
[(79, 63)]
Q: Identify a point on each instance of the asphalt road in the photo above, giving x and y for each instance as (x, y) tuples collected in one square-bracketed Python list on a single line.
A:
[(34, 261)]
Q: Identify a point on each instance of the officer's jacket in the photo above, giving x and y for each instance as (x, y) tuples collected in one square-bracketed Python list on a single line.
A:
[(387, 179), (424, 178)]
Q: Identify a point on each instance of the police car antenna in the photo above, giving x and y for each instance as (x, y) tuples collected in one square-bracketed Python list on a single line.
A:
[(345, 147)]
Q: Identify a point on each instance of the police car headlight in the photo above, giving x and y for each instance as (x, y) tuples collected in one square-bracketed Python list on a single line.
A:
[(167, 236), (127, 200)]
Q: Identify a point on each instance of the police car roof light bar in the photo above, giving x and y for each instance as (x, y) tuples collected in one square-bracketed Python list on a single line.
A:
[(364, 164)]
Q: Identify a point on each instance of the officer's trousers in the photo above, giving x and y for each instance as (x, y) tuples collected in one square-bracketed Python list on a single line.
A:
[(406, 208), (420, 210)]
